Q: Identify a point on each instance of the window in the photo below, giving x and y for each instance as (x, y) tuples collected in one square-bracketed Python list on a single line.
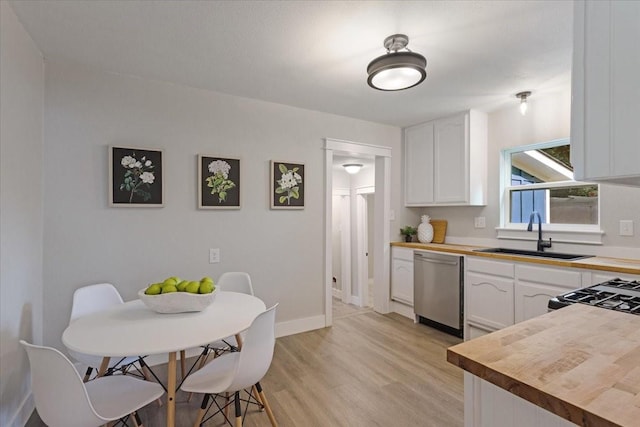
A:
[(539, 178)]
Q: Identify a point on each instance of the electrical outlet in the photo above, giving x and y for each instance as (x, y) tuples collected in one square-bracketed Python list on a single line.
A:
[(626, 227), (214, 256), (479, 222)]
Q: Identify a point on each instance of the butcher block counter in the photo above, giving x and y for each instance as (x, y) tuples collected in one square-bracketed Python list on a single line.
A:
[(581, 363), (618, 265)]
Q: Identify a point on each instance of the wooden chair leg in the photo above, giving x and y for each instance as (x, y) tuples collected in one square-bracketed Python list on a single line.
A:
[(267, 408), (183, 363), (226, 405), (136, 420), (236, 401), (202, 411), (256, 395)]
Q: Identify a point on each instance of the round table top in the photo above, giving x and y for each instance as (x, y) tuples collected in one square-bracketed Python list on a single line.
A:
[(133, 329)]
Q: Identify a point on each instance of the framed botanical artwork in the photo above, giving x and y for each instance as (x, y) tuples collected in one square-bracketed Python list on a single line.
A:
[(218, 182), (287, 185), (135, 177)]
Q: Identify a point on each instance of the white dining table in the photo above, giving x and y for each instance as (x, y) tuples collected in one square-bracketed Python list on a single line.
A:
[(132, 329)]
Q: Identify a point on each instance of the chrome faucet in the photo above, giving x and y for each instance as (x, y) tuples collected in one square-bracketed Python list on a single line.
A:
[(541, 243)]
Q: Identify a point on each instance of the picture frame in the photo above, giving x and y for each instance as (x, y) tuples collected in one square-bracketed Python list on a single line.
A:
[(135, 177), (287, 185), (219, 182)]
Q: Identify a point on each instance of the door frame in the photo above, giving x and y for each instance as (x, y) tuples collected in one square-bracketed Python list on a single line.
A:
[(362, 245), (382, 205)]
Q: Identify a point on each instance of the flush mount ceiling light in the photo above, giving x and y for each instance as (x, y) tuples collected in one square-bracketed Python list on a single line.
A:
[(396, 70), (352, 168), (523, 101)]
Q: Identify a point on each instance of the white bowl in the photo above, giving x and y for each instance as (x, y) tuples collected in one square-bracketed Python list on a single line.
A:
[(177, 302)]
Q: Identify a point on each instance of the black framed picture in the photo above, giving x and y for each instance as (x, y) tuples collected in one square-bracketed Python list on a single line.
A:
[(287, 185), (218, 182), (135, 177)]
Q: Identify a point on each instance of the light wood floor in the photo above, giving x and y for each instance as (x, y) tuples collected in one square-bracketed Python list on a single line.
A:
[(367, 370)]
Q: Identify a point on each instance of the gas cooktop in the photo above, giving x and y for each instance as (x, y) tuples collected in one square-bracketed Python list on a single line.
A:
[(616, 294)]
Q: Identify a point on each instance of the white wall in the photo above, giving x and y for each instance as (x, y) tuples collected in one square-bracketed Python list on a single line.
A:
[(87, 242), (548, 118), (21, 173)]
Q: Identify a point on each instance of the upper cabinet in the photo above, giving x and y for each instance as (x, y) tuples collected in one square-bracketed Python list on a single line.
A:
[(446, 161), (605, 130)]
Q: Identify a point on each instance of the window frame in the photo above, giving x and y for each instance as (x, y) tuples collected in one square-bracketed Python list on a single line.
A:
[(566, 233)]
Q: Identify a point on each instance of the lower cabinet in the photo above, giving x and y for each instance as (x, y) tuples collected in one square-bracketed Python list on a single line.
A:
[(486, 405), (535, 286), (501, 293), (402, 275), (488, 289)]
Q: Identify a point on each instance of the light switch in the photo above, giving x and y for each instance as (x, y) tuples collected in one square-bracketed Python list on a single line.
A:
[(479, 222), (626, 227), (214, 256)]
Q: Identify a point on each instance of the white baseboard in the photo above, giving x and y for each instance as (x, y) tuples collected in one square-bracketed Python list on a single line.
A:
[(403, 309), (297, 326), (22, 415), (355, 301)]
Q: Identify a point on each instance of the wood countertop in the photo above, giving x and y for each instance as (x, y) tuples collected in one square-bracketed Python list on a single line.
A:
[(580, 362), (617, 265)]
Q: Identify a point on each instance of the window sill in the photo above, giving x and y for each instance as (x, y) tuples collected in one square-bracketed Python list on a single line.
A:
[(581, 237)]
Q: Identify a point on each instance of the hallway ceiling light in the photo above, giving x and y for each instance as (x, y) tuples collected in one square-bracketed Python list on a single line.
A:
[(523, 101), (396, 70), (352, 168)]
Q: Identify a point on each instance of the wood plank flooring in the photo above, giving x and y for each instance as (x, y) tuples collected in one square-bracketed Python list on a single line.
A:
[(367, 370)]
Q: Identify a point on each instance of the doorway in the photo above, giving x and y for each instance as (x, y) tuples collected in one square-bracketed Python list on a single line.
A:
[(379, 223)]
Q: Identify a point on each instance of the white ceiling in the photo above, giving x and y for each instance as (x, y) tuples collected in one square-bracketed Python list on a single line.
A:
[(314, 54)]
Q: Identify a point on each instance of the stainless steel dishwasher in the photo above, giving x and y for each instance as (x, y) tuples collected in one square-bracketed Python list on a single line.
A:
[(438, 291)]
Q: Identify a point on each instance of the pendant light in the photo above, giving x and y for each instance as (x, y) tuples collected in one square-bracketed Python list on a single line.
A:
[(397, 70), (523, 101)]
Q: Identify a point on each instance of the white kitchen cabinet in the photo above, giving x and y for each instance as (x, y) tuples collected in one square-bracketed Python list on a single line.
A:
[(605, 92), (446, 161), (535, 286), (402, 275), (486, 405), (489, 287)]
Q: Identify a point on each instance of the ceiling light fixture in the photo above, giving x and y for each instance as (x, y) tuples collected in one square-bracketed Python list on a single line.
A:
[(352, 168), (396, 70), (523, 101)]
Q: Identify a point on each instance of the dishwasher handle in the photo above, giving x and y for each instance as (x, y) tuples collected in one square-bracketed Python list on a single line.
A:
[(435, 261)]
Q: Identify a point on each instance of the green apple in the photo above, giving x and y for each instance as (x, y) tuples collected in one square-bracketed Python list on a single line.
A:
[(153, 289), (193, 287), (182, 286), (168, 289), (206, 279), (170, 281), (205, 288)]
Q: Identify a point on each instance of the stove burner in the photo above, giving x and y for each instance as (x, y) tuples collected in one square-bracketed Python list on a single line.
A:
[(616, 294)]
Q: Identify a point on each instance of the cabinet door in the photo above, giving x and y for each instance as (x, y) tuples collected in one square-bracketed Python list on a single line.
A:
[(418, 165), (605, 92), (402, 281), (451, 160), (489, 300), (532, 299)]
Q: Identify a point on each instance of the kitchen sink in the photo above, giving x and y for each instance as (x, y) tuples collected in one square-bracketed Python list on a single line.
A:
[(540, 254)]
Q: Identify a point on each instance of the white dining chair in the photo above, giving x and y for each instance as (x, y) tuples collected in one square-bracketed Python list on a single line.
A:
[(91, 299), (238, 371), (231, 281), (64, 400)]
